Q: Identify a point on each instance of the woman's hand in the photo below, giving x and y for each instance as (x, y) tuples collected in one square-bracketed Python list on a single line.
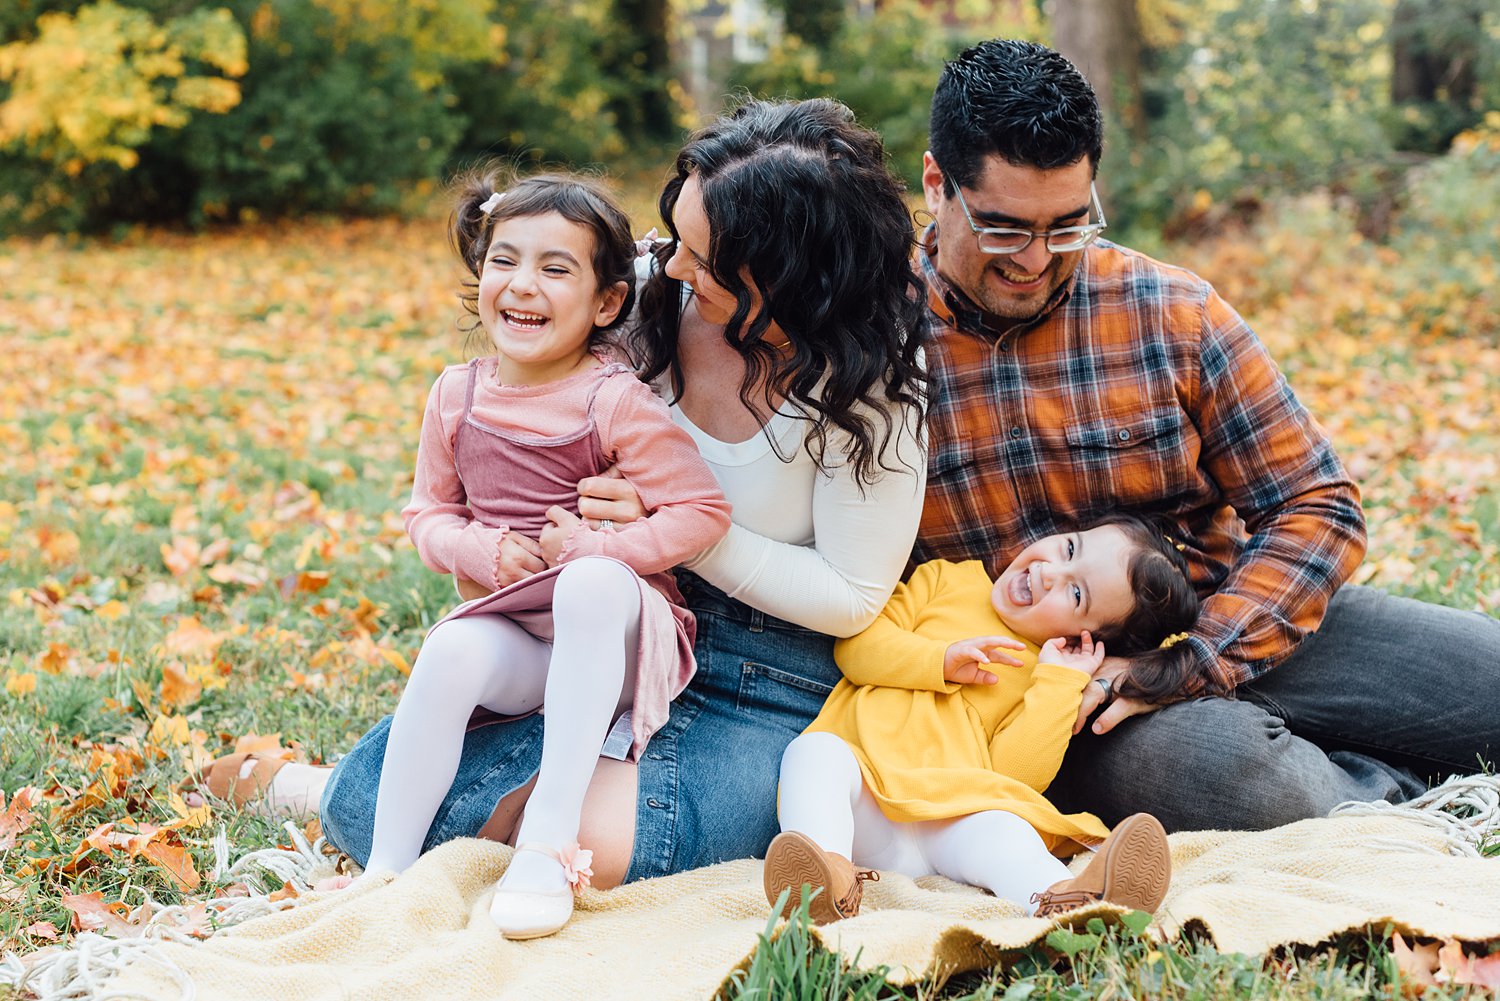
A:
[(609, 497), (520, 557), (962, 659), (1085, 655), (560, 525)]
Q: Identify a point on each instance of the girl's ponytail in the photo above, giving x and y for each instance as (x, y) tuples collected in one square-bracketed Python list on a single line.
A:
[(1157, 676)]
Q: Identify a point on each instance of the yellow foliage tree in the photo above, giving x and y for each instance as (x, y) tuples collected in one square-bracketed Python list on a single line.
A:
[(442, 32), (91, 86)]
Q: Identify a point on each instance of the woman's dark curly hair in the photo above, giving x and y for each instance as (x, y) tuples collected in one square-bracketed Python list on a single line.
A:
[(799, 199), (1166, 603), (575, 197)]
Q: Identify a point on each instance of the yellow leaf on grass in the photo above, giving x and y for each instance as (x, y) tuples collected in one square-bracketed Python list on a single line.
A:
[(167, 731), (189, 817), (58, 546), (192, 639), (258, 743), (20, 683), (111, 610), (395, 659), (54, 659)]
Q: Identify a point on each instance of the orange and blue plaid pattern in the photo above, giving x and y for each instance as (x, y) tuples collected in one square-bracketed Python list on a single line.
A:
[(1139, 389)]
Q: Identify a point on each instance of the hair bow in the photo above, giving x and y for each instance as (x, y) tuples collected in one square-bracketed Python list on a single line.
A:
[(491, 203), (646, 244)]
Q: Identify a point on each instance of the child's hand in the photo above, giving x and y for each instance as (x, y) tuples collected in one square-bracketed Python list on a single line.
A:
[(561, 523), (1085, 655), (962, 660), (520, 557)]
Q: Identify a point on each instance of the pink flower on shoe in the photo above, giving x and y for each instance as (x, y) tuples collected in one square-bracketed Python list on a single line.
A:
[(576, 862)]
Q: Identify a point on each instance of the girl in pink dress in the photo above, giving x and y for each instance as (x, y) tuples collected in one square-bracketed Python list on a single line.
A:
[(583, 624)]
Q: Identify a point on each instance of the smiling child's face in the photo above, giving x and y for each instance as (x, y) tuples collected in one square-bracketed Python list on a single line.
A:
[(1064, 584)]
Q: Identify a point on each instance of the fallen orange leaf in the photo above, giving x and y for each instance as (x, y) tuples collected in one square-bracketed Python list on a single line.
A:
[(17, 816), (91, 913), (173, 858), (55, 659), (45, 930), (1415, 966), (181, 556), (177, 689)]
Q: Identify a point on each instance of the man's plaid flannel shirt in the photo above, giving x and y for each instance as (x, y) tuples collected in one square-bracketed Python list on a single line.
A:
[(1139, 389)]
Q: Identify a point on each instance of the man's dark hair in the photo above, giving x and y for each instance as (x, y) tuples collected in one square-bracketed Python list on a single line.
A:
[(1018, 99)]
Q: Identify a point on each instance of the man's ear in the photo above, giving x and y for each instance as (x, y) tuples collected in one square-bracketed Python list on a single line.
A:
[(932, 183), (610, 303)]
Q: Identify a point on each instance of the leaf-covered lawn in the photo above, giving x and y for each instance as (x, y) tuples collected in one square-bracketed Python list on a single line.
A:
[(207, 440)]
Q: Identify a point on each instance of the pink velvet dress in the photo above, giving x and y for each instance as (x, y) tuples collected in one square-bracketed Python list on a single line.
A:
[(509, 476)]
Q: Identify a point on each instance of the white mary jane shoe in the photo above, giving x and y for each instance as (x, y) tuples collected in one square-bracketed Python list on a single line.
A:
[(523, 914)]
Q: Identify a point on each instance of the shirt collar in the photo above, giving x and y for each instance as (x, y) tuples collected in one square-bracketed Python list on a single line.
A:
[(958, 310)]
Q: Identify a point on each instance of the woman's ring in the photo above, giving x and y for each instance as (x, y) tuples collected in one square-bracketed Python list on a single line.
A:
[(605, 523)]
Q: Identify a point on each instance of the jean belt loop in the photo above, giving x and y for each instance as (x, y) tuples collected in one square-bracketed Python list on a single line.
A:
[(757, 621)]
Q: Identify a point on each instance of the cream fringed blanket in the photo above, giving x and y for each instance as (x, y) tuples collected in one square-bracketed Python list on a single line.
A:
[(428, 934)]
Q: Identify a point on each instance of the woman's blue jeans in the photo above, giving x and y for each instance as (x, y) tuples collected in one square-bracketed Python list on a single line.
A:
[(707, 781)]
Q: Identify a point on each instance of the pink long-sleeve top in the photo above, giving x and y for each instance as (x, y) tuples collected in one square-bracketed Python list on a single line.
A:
[(686, 510)]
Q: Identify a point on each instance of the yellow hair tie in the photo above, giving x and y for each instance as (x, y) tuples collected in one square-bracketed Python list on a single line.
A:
[(1172, 640)]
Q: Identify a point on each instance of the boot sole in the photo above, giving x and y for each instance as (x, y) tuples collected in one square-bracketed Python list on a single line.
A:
[(793, 860), (1139, 867)]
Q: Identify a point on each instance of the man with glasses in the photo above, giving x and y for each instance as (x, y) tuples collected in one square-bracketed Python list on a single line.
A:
[(1072, 377)]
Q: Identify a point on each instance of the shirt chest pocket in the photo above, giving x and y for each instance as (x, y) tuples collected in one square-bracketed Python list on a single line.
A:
[(1139, 458)]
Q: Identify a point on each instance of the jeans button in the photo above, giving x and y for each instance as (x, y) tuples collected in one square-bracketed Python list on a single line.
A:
[(653, 804), (653, 755)]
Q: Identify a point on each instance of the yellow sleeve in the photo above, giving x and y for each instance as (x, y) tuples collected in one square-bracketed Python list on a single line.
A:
[(1030, 746), (890, 652)]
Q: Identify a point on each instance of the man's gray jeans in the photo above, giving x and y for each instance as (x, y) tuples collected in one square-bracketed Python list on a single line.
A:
[(1389, 694)]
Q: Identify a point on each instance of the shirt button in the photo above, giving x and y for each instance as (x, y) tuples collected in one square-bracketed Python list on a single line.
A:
[(1015, 432), (1124, 434), (1005, 345)]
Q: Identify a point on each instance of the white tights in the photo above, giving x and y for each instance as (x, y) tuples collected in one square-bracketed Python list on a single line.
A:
[(823, 795), (585, 678)]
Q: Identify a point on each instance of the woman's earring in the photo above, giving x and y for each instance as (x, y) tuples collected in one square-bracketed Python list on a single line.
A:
[(923, 217)]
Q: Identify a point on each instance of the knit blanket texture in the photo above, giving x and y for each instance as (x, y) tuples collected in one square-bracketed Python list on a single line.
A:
[(428, 934)]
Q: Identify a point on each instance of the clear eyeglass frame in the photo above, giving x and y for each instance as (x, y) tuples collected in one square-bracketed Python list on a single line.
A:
[(1006, 240)]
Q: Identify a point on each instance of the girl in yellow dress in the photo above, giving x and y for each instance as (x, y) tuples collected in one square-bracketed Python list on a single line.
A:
[(933, 754)]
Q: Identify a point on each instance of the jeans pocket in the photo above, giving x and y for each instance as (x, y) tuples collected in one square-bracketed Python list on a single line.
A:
[(777, 692)]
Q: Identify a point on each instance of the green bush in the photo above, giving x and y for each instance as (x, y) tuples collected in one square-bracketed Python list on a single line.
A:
[(883, 66)]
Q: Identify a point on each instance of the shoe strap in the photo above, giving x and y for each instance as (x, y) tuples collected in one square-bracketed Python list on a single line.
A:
[(575, 861)]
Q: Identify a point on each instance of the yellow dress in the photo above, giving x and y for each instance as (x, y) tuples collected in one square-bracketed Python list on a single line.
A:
[(930, 750)]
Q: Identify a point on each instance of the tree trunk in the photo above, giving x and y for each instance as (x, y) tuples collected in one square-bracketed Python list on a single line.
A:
[(641, 55), (1103, 39)]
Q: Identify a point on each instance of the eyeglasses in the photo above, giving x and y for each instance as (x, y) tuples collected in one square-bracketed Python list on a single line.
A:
[(1005, 240)]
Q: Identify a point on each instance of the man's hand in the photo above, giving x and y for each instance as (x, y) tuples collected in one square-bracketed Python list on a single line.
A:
[(1085, 655), (1112, 670), (560, 525), (520, 557), (962, 659), (609, 497)]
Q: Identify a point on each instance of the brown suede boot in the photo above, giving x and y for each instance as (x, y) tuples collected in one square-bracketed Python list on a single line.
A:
[(794, 859), (1132, 869)]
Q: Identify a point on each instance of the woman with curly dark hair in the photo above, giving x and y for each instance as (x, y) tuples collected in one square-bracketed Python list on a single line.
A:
[(783, 325)]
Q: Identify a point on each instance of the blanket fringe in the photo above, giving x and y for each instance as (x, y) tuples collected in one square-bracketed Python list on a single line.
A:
[(1465, 809), (79, 970)]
